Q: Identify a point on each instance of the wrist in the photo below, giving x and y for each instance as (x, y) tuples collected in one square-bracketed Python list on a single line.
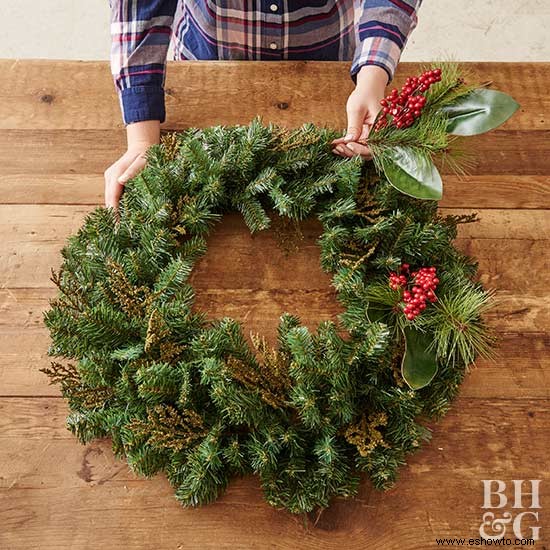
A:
[(143, 133), (373, 78)]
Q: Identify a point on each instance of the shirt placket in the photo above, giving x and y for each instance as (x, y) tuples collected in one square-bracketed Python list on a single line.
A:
[(273, 29)]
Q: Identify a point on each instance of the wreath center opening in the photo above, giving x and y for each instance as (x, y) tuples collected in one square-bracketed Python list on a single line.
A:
[(255, 278)]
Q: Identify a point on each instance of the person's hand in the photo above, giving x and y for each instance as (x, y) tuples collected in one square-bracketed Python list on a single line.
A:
[(140, 136), (362, 107)]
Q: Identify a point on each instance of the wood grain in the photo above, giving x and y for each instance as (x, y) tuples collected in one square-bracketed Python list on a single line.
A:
[(65, 495), (500, 241), (474, 191), (47, 152), (60, 127), (521, 371), (81, 94)]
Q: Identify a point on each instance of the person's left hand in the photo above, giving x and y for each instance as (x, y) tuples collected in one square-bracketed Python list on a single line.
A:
[(362, 107)]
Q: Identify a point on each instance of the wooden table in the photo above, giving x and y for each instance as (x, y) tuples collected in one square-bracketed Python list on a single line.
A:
[(60, 127)]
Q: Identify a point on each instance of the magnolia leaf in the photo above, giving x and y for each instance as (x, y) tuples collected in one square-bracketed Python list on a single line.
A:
[(479, 111), (413, 174), (419, 365)]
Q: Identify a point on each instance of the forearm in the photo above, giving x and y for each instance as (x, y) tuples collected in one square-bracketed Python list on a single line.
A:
[(382, 28), (143, 133), (373, 78), (140, 36)]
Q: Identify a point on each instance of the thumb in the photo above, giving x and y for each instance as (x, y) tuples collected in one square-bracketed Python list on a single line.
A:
[(356, 119), (133, 170)]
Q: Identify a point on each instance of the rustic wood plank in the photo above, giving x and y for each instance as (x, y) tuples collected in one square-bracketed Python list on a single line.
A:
[(525, 192), (48, 223), (60, 127), (520, 371), (40, 94), (256, 296), (260, 308), (43, 152), (81, 189), (47, 152), (99, 502), (502, 264), (500, 241)]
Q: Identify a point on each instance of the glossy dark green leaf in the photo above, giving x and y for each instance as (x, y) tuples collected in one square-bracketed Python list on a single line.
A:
[(479, 111), (413, 174), (419, 365)]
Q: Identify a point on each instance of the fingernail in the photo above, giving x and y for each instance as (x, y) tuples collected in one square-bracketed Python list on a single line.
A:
[(349, 136), (123, 179)]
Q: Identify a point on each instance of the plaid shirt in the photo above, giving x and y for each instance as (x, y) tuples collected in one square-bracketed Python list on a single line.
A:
[(367, 32)]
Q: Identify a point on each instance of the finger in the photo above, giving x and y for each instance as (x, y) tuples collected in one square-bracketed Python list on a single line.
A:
[(365, 131), (113, 189), (373, 111), (340, 152), (338, 140), (113, 193), (361, 150), (356, 119), (345, 151), (133, 170), (110, 181)]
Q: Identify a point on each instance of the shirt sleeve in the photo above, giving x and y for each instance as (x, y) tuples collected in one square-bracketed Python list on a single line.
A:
[(382, 28), (140, 36)]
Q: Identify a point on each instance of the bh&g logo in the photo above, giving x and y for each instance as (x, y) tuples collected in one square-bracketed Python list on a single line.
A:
[(523, 498)]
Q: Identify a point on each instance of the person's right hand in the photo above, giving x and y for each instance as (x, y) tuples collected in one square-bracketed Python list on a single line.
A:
[(140, 136)]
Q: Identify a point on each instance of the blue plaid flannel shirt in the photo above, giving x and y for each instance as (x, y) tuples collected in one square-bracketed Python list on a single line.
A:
[(363, 31)]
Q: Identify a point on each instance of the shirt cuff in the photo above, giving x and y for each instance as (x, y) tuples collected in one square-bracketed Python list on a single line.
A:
[(379, 51), (139, 103)]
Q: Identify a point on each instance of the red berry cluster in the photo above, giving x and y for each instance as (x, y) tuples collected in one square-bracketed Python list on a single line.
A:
[(424, 283), (396, 280), (404, 106)]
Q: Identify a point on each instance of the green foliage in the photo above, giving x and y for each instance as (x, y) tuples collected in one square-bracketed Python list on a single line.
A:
[(413, 174), (478, 112), (419, 364), (457, 323), (453, 108), (187, 395)]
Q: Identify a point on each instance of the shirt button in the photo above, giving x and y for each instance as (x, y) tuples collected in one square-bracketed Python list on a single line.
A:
[(273, 46), (273, 7)]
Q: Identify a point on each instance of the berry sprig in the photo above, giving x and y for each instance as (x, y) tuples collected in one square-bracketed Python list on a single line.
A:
[(397, 281), (424, 283), (405, 107)]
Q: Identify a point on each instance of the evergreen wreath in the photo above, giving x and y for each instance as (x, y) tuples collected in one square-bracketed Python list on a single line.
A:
[(187, 395)]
